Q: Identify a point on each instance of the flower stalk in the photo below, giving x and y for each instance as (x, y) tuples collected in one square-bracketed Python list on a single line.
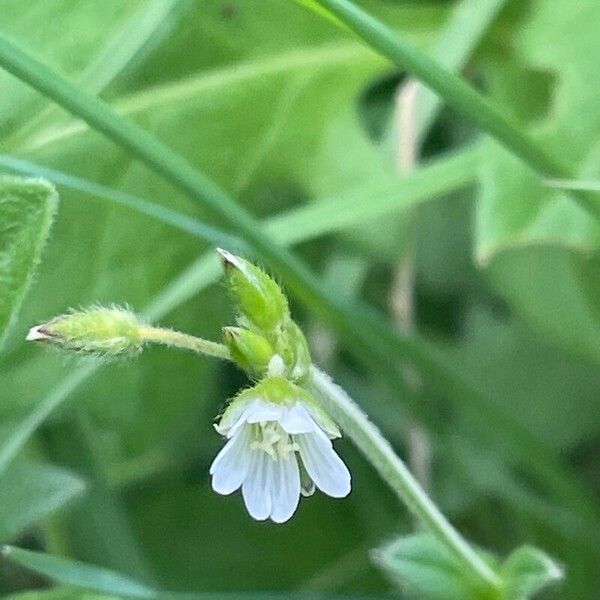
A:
[(184, 341)]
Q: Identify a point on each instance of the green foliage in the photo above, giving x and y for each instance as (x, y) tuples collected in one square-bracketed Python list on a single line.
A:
[(272, 102), (27, 208), (423, 566), (79, 574), (527, 571), (30, 492)]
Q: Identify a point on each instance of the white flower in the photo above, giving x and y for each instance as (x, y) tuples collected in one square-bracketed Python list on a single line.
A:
[(270, 447)]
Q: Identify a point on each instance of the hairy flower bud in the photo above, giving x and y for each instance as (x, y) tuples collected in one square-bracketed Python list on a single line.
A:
[(249, 350), (259, 298), (108, 332)]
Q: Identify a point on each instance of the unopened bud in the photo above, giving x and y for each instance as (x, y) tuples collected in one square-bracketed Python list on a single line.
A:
[(258, 297), (249, 350), (109, 332)]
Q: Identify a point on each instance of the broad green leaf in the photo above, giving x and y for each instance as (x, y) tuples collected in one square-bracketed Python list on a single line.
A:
[(77, 54), (538, 247), (528, 571), (27, 207), (425, 568), (553, 393), (140, 31), (31, 492)]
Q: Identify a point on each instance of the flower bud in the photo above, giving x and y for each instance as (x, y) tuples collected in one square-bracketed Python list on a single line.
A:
[(249, 350), (109, 332), (258, 297)]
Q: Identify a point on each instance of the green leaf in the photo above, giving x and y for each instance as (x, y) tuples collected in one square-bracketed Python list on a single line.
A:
[(58, 594), (423, 566), (79, 574), (541, 251), (103, 581), (84, 54), (455, 91), (527, 571), (140, 31), (321, 11), (27, 207), (30, 492)]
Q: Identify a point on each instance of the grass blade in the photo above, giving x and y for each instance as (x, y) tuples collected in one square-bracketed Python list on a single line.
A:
[(154, 210), (455, 91), (97, 579), (466, 26), (121, 49), (78, 574), (574, 184)]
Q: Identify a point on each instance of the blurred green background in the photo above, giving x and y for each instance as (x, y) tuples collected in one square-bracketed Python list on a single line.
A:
[(287, 111)]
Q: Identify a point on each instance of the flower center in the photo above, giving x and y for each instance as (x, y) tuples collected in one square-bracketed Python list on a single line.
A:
[(272, 439)]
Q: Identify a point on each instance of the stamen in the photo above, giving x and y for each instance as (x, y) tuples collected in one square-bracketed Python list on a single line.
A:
[(272, 439)]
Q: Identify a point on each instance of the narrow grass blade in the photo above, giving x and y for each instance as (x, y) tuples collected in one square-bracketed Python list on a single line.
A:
[(97, 579), (138, 33), (78, 574), (455, 91), (574, 184), (154, 210), (467, 24)]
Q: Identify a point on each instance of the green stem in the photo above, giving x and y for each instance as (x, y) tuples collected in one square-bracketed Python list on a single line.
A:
[(394, 472), (176, 339), (455, 91)]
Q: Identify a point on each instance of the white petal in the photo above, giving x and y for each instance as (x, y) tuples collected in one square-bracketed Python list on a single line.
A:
[(285, 489), (264, 411), (240, 418), (230, 467), (255, 412), (297, 419), (234, 417), (323, 465), (35, 335), (326, 424), (256, 488)]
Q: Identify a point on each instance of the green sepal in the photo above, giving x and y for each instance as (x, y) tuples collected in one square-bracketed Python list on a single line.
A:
[(258, 297), (277, 390), (249, 350), (291, 345)]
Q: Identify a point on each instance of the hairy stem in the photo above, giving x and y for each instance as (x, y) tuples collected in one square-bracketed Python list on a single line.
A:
[(176, 339), (394, 472)]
